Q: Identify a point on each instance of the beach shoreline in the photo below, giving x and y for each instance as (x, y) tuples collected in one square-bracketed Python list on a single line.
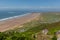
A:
[(3, 19), (17, 21)]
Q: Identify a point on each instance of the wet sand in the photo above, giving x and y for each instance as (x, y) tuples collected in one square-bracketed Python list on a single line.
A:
[(17, 22)]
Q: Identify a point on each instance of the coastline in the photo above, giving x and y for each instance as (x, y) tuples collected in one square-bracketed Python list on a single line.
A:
[(17, 21), (3, 19)]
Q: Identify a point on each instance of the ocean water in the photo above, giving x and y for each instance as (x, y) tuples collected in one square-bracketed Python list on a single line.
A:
[(11, 13), (4, 15), (8, 14)]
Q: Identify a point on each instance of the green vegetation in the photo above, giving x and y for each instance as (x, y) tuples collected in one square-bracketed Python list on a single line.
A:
[(54, 37), (28, 31)]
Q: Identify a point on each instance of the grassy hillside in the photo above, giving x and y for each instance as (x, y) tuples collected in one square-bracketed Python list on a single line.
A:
[(51, 17), (30, 29)]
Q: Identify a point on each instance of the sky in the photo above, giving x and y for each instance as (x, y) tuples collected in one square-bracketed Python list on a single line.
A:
[(30, 4)]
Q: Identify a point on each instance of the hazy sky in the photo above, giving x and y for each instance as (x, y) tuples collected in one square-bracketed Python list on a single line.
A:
[(34, 4)]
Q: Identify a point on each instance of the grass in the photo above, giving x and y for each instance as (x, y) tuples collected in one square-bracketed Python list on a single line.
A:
[(35, 26), (50, 17)]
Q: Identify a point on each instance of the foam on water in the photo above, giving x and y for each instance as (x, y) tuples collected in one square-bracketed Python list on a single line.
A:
[(14, 17)]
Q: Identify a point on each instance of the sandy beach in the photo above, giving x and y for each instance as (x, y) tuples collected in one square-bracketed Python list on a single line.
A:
[(17, 22)]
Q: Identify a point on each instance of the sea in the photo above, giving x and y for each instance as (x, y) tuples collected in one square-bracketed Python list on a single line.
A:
[(8, 14)]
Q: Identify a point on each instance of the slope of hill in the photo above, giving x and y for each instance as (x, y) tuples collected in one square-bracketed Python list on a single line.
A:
[(31, 30)]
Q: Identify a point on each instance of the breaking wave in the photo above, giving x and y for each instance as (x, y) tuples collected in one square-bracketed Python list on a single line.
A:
[(14, 17)]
